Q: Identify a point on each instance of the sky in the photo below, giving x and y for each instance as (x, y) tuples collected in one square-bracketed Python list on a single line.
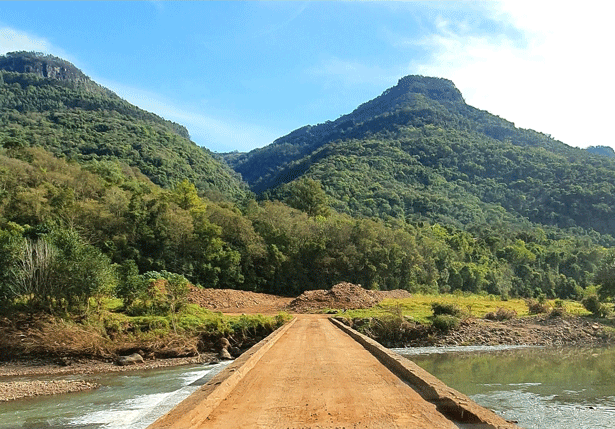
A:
[(239, 74)]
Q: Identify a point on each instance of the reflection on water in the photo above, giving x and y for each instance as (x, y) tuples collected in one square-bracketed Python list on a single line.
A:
[(126, 400), (566, 388)]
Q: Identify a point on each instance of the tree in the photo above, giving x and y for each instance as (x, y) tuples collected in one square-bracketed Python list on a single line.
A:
[(605, 276), (308, 196)]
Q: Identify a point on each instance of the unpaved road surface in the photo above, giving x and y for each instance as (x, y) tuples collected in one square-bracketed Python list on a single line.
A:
[(316, 376)]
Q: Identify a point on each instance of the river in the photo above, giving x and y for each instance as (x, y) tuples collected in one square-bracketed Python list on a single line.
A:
[(569, 388), (128, 400), (565, 388)]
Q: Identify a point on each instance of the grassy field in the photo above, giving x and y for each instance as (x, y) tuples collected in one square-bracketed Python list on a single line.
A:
[(419, 306)]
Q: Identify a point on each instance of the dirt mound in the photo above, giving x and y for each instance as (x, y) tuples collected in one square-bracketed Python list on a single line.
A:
[(392, 294), (237, 301), (341, 296)]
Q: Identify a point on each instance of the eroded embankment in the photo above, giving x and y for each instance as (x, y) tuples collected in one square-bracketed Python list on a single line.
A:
[(315, 375), (540, 330)]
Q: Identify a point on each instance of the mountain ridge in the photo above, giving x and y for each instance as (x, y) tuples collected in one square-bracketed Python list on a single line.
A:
[(46, 101), (439, 159)]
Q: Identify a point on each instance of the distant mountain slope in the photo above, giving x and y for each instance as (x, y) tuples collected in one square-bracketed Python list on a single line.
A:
[(419, 151), (601, 150), (46, 101)]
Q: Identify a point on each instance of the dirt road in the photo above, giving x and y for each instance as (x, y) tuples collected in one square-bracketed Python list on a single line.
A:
[(316, 376)]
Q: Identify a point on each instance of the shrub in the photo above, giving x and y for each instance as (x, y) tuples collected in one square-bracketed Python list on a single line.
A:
[(440, 308), (445, 322), (535, 307), (501, 314), (592, 303)]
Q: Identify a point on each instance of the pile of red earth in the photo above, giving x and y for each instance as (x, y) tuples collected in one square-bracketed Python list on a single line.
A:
[(229, 300), (342, 296)]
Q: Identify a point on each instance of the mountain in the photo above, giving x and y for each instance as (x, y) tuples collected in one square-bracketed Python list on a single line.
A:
[(48, 102), (418, 151), (601, 150)]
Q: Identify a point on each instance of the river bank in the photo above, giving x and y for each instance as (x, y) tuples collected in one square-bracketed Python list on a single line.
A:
[(535, 331), (541, 330), (12, 373)]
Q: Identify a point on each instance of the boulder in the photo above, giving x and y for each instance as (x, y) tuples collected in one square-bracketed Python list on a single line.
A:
[(130, 359), (224, 354)]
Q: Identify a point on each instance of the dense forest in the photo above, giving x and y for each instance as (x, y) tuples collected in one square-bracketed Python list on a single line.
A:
[(73, 117), (98, 198), (419, 152)]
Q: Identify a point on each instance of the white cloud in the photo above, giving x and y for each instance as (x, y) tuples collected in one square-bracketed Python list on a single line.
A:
[(556, 78), (13, 40), (219, 135)]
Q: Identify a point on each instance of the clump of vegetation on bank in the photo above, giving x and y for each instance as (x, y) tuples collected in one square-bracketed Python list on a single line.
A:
[(111, 332), (401, 321)]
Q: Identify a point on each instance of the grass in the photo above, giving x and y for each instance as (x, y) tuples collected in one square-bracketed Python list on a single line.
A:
[(419, 306), (109, 331)]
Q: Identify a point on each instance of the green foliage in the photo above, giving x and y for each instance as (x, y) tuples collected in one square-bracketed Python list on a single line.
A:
[(152, 292), (605, 276), (440, 308), (57, 271), (441, 195), (308, 196), (271, 247), (413, 154), (73, 117), (446, 322), (592, 303)]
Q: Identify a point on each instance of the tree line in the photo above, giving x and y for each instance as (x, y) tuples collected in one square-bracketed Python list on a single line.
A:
[(72, 234)]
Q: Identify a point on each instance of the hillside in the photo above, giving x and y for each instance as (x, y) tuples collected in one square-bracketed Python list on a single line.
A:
[(47, 102), (418, 151)]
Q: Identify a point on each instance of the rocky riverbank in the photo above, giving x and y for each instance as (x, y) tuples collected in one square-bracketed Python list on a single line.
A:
[(11, 389), (540, 330)]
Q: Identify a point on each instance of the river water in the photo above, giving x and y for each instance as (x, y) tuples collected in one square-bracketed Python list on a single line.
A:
[(566, 388), (540, 388), (129, 400)]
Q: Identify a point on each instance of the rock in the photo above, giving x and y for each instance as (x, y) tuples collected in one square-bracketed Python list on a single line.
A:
[(65, 361), (234, 351), (132, 359), (224, 354)]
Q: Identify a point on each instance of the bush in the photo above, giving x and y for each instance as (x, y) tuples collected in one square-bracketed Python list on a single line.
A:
[(501, 314), (535, 307), (440, 308), (592, 303), (558, 312), (445, 322)]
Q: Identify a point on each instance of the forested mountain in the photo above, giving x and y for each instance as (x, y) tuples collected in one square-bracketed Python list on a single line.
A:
[(46, 101), (419, 152), (602, 150), (102, 226)]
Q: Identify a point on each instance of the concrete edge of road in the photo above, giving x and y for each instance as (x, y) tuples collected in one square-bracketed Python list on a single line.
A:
[(453, 404), (195, 409)]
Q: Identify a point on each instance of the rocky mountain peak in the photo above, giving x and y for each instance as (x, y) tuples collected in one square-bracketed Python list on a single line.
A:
[(42, 65), (435, 88)]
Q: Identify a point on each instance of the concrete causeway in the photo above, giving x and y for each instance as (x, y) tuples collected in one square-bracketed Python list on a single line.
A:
[(317, 373)]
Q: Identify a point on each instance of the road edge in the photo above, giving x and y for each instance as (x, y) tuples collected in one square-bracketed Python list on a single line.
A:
[(195, 409), (453, 404)]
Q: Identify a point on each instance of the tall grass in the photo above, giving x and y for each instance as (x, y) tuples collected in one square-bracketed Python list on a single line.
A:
[(419, 307), (108, 333)]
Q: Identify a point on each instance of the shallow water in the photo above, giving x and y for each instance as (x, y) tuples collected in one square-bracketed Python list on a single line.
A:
[(129, 400), (566, 388), (569, 388)]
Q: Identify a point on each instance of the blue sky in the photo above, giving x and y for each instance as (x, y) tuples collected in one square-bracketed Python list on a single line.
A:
[(240, 74)]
